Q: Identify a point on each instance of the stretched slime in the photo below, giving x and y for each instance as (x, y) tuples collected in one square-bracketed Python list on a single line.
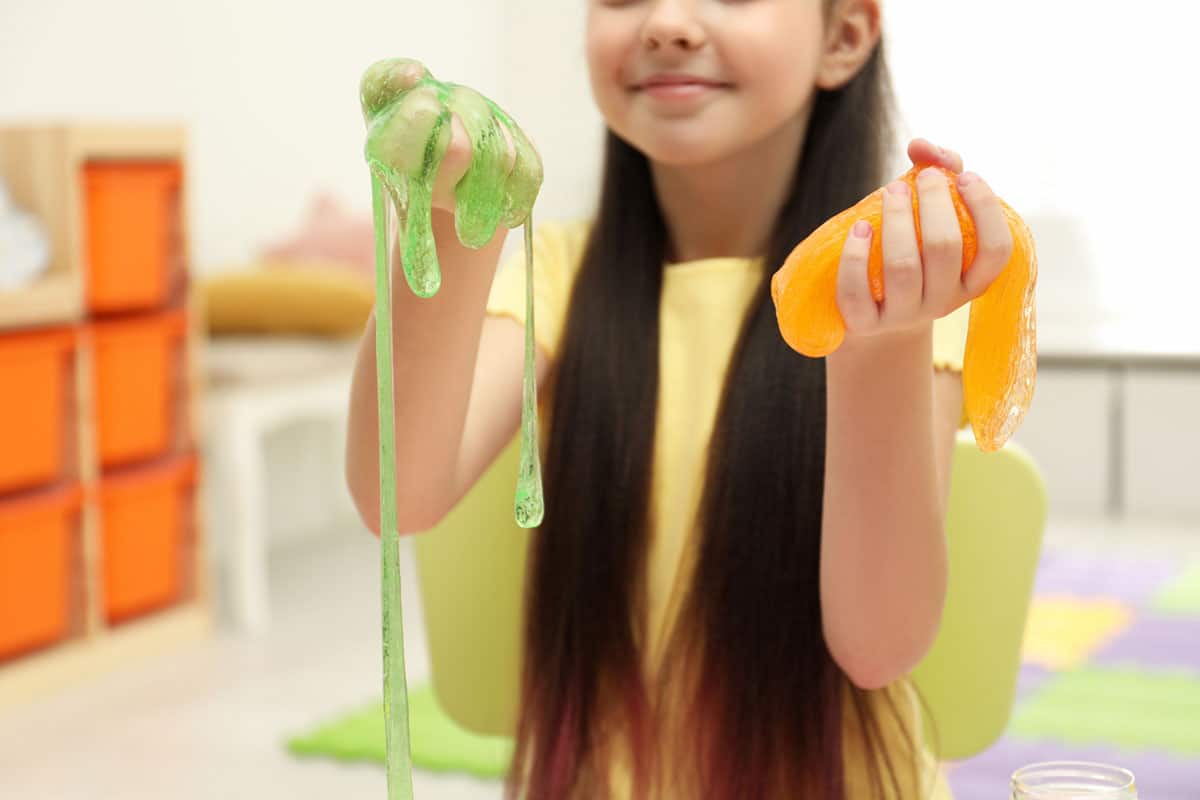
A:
[(408, 115), (1000, 362)]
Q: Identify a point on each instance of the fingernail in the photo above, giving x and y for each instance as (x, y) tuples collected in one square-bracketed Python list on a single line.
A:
[(966, 179), (862, 229), (931, 174), (898, 187)]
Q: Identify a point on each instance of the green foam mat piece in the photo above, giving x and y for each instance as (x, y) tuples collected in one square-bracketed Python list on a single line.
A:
[(1181, 596), (1122, 707), (438, 743)]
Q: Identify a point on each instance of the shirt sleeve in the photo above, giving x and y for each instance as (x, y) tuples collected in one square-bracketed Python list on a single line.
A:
[(556, 252), (950, 344), (950, 339)]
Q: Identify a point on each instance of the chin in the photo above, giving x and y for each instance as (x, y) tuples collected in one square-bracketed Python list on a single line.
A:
[(680, 148)]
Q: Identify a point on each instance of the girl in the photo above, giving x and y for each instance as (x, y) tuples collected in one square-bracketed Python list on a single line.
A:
[(743, 551)]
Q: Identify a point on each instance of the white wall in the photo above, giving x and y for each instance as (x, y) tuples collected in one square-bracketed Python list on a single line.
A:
[(1075, 112), (546, 89), (269, 89)]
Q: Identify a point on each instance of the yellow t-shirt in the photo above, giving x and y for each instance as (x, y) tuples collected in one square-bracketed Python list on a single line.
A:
[(702, 306)]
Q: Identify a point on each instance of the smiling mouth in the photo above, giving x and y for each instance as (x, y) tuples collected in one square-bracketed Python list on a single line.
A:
[(679, 90)]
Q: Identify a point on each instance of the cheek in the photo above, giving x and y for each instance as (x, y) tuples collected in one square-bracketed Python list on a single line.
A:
[(604, 55), (787, 87), (777, 53)]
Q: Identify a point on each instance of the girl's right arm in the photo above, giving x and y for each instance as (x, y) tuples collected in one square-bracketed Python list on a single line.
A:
[(457, 377)]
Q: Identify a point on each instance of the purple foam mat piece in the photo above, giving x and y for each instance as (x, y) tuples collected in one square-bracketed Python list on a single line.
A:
[(1030, 679), (1134, 580), (1160, 641), (1160, 776)]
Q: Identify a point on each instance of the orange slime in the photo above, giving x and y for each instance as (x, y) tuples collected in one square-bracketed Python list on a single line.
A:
[(1000, 363)]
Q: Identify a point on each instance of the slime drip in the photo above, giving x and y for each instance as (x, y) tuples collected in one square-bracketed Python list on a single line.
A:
[(395, 684), (408, 116), (528, 506)]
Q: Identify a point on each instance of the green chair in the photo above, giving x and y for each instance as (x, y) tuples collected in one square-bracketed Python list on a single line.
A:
[(994, 528), (471, 569), (471, 572)]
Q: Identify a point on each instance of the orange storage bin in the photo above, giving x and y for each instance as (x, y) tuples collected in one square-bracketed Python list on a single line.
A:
[(133, 233), (140, 379), (38, 567), (37, 408), (147, 527)]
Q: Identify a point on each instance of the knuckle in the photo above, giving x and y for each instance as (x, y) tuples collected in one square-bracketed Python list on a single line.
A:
[(851, 299), (859, 321), (856, 306), (510, 149), (460, 147), (385, 79), (455, 162), (943, 247), (409, 72), (904, 268), (420, 107)]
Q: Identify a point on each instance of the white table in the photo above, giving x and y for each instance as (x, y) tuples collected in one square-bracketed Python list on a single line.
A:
[(257, 385)]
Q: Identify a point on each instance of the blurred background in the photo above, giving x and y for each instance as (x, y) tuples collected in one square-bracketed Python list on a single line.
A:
[(189, 606)]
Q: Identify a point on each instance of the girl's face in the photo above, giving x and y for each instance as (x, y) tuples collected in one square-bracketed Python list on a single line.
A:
[(693, 81)]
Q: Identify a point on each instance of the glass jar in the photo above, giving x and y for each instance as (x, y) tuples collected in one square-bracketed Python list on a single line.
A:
[(1073, 780)]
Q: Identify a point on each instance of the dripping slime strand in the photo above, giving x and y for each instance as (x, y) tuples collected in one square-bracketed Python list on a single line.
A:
[(409, 116), (395, 689), (528, 506)]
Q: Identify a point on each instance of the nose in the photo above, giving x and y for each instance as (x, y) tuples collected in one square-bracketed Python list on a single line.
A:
[(673, 24)]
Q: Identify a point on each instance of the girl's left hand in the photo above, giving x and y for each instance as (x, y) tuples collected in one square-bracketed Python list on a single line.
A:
[(923, 283)]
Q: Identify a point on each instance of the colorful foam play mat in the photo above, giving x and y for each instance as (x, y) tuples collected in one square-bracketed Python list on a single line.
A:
[(1111, 674)]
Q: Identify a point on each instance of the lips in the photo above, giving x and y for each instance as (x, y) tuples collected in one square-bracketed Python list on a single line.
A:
[(678, 93), (675, 81)]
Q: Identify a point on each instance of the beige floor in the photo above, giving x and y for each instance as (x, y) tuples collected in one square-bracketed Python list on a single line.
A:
[(209, 722)]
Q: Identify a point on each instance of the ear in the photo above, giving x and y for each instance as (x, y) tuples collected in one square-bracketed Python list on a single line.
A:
[(853, 31)]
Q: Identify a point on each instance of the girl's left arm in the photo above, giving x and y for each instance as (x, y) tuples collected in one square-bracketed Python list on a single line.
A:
[(889, 431), (891, 426)]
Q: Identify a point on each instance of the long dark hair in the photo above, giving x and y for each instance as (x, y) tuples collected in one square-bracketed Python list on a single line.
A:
[(765, 699)]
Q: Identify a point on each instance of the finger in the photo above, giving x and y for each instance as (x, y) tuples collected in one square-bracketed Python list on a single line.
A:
[(399, 136), (455, 162), (859, 310), (993, 236), (526, 157), (510, 150), (941, 241), (524, 177), (923, 151), (902, 278), (385, 80)]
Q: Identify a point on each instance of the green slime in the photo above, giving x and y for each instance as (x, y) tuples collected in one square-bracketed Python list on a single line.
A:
[(408, 116)]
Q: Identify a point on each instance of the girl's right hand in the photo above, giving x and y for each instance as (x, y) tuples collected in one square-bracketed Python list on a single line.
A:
[(401, 114)]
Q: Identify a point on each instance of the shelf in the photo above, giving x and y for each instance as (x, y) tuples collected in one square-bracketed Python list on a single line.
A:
[(56, 298), (25, 678), (41, 165)]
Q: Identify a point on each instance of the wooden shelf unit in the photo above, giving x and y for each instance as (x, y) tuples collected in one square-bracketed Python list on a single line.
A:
[(42, 166)]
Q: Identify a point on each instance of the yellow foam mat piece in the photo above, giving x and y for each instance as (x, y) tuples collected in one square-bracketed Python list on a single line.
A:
[(1063, 632)]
